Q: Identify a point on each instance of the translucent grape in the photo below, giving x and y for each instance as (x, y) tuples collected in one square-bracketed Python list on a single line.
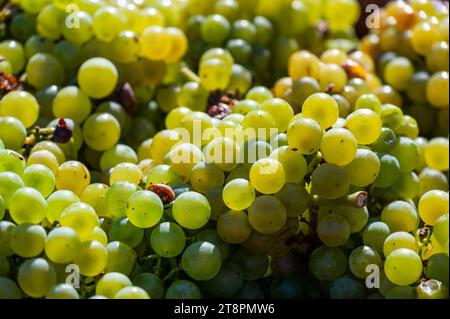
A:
[(28, 111), (168, 240), (436, 154), (62, 245), (116, 198), (28, 240), (403, 267), (362, 257), (191, 210), (364, 168), (338, 146), (333, 230), (36, 277), (97, 77), (111, 283), (144, 209), (73, 176), (238, 194), (400, 216), (12, 132), (375, 234), (399, 240), (432, 205), (26, 205), (365, 125), (267, 176), (92, 258), (293, 163), (40, 178), (201, 260), (71, 102), (322, 108), (121, 258)]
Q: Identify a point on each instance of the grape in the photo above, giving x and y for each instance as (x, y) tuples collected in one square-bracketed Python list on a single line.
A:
[(333, 230), (28, 240), (389, 171), (432, 289), (126, 172), (9, 289), (111, 283), (362, 257), (14, 52), (62, 245), (437, 90), (327, 263), (436, 154), (191, 210), (365, 125), (295, 198), (400, 216), (440, 229), (432, 205), (28, 111), (398, 72), (12, 162), (94, 195), (62, 291), (26, 205), (168, 240), (205, 177), (183, 157), (375, 234), (121, 258), (356, 217), (124, 231), (267, 176), (12, 132), (83, 33), (280, 111), (437, 268), (432, 179), (293, 163), (423, 37), (119, 153), (40, 178), (43, 63), (80, 217), (132, 293), (338, 146), (116, 198), (71, 102), (408, 185), (391, 116), (151, 284), (364, 168), (267, 214), (183, 289), (57, 202), (144, 209), (215, 29), (253, 265), (399, 240), (164, 174), (201, 260), (98, 234), (329, 181), (303, 64), (97, 77), (36, 277), (73, 176), (403, 267), (107, 23), (101, 131), (92, 258), (233, 227), (332, 77), (238, 194), (322, 108)]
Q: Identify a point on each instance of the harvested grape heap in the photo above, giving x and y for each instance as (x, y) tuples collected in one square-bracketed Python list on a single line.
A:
[(188, 149)]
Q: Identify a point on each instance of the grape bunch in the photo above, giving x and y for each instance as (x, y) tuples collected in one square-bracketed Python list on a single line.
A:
[(188, 149)]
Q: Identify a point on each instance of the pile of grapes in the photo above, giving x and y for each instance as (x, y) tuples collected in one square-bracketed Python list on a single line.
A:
[(243, 149)]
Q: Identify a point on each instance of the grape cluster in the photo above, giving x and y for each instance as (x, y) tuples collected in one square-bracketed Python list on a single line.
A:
[(222, 149)]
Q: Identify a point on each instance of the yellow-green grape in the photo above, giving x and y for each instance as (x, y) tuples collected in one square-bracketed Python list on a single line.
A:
[(62, 245), (400, 216), (267, 215), (52, 148), (49, 21), (12, 161), (408, 185), (356, 217), (94, 195), (162, 143), (218, 53), (259, 94), (246, 106), (201, 260), (432, 205), (365, 125), (293, 162), (423, 36), (71, 102), (26, 205), (97, 77), (360, 258), (155, 43), (223, 152), (2, 207), (191, 210), (44, 158), (364, 168), (403, 267), (97, 234), (144, 150), (40, 178), (267, 176), (80, 217), (120, 153), (303, 64), (338, 146), (438, 56), (214, 74), (73, 176), (440, 229), (295, 198), (196, 123), (6, 229), (92, 258), (144, 209), (322, 108), (333, 230), (117, 196), (146, 166), (12, 132), (149, 16), (168, 240), (125, 47), (132, 293), (368, 101), (438, 90), (398, 73), (305, 135), (175, 116), (206, 176), (62, 291), (80, 34), (436, 154), (126, 172), (238, 194), (280, 111), (36, 277), (121, 258), (162, 174), (107, 23), (57, 202), (233, 227), (335, 56), (14, 52), (101, 131), (238, 172), (399, 240), (332, 77), (21, 105), (179, 45), (111, 283), (407, 153), (375, 234), (341, 14), (28, 240), (329, 181), (183, 158)]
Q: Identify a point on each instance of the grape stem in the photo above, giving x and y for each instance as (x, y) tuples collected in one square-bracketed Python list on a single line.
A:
[(357, 200), (190, 75)]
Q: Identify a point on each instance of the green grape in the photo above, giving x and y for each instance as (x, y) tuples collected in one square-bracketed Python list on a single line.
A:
[(14, 52), (437, 268), (432, 179), (92, 258), (356, 217), (332, 76), (57, 202), (403, 267), (6, 230), (338, 146), (201, 260), (259, 94), (295, 198), (155, 43), (101, 131), (124, 231), (192, 97), (329, 181), (400, 216), (183, 289), (119, 153), (121, 258), (94, 195), (218, 53), (344, 105), (107, 23), (254, 150), (151, 284), (62, 291), (12, 132), (97, 77), (36, 277), (303, 64), (116, 198), (205, 177), (293, 163), (2, 207), (215, 29), (191, 210), (327, 263), (44, 64), (126, 172), (267, 214), (240, 50), (253, 265), (440, 229), (417, 90), (62, 245), (213, 237), (214, 74), (234, 227), (362, 257), (162, 174), (375, 234), (238, 194), (385, 142), (28, 111), (83, 33), (215, 199), (333, 230), (28, 240), (168, 240), (398, 72), (436, 154), (364, 168), (437, 90), (399, 240), (304, 135), (322, 108), (22, 26), (241, 79), (423, 36), (183, 157), (12, 162), (389, 171), (98, 234), (368, 101), (36, 44), (73, 176), (40, 178), (432, 205), (49, 22), (391, 116), (408, 185), (9, 289), (264, 30), (71, 102), (246, 106), (365, 124), (132, 293), (26, 205), (144, 209), (227, 282), (116, 110), (111, 283), (80, 217), (267, 176)]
